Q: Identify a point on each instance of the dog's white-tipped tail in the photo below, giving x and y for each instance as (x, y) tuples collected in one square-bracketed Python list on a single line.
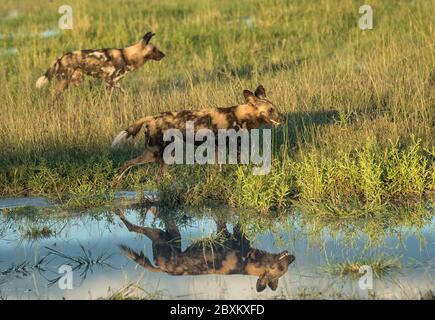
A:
[(42, 81), (120, 139), (129, 133)]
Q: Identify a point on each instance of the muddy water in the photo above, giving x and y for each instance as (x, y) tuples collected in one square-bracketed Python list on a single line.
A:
[(36, 243)]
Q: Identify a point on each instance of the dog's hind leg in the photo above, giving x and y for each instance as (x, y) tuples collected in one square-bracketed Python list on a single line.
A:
[(152, 233), (147, 157), (61, 86)]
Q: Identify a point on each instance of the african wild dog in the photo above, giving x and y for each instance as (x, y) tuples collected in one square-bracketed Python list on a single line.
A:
[(110, 65), (232, 255), (257, 111)]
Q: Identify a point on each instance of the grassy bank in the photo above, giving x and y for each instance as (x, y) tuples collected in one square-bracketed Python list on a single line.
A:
[(359, 104)]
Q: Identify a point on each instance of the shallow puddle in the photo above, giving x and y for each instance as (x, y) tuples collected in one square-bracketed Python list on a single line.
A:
[(7, 203), (206, 254)]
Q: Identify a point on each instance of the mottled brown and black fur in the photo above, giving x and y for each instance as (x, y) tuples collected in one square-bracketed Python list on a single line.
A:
[(110, 65), (232, 255), (257, 111)]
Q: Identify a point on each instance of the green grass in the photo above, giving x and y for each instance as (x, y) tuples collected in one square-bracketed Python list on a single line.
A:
[(381, 265), (132, 292), (359, 104)]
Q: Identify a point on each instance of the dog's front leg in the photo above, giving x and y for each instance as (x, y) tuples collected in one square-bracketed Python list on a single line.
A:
[(118, 86), (153, 233), (146, 157), (110, 88)]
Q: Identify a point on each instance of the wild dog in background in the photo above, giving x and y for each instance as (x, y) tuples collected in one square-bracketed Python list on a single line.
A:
[(110, 65), (232, 255), (257, 111)]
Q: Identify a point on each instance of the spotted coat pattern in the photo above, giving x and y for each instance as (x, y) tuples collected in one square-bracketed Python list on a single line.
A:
[(111, 65), (257, 111), (231, 254)]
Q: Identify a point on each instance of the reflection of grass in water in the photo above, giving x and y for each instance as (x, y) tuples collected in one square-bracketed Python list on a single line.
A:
[(84, 262), (310, 293), (22, 269), (133, 291), (36, 233), (211, 242), (31, 223), (352, 222), (381, 266), (26, 210), (307, 293)]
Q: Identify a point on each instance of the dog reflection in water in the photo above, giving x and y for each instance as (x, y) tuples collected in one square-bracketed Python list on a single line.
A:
[(230, 254)]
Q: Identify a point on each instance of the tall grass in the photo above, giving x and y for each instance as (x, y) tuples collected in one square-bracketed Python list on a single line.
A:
[(359, 104), (381, 266)]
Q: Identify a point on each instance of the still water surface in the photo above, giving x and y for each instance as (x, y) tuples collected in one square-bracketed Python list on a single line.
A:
[(200, 255)]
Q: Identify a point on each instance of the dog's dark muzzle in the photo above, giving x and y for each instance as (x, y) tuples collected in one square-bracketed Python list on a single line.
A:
[(159, 56), (278, 120), (288, 257)]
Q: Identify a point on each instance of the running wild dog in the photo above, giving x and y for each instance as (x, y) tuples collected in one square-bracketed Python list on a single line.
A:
[(110, 65), (233, 254), (257, 111)]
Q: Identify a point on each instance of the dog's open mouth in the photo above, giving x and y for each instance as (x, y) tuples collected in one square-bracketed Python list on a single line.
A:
[(283, 255), (276, 123)]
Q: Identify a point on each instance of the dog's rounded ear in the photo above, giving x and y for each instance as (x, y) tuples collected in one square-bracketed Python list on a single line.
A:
[(260, 92), (261, 283), (249, 97), (146, 38), (273, 284)]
